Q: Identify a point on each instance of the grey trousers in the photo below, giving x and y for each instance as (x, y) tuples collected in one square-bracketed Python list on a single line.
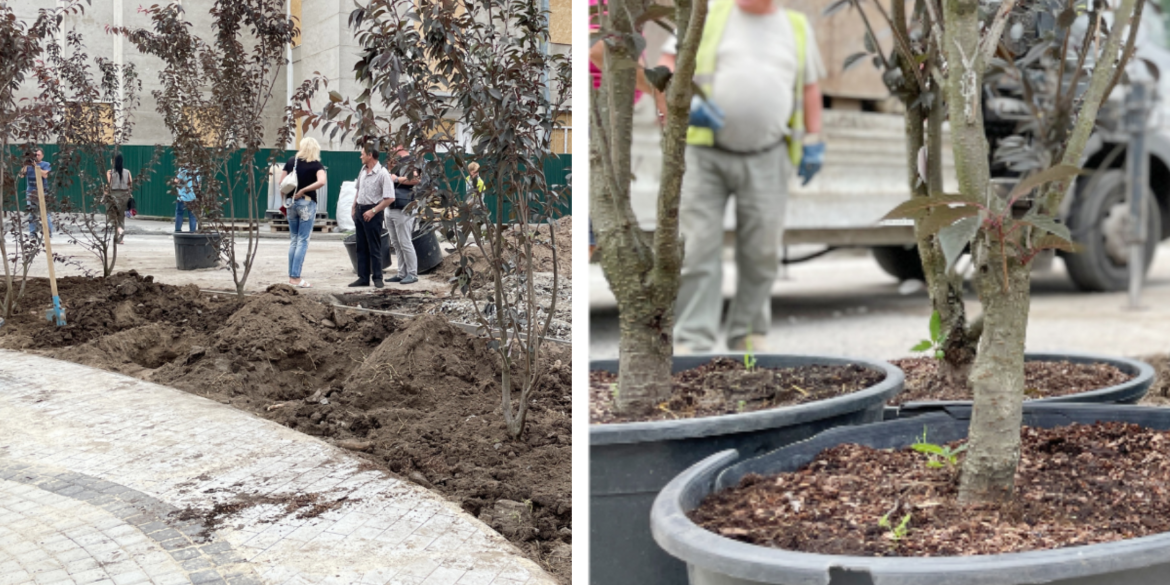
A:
[(401, 226), (759, 183)]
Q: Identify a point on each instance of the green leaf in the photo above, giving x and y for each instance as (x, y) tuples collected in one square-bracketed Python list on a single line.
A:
[(1049, 224), (658, 77), (1055, 173), (943, 216), (335, 97), (834, 8), (935, 326), (1049, 241), (922, 345), (955, 237), (928, 448), (918, 206), (939, 354), (852, 60), (870, 43), (934, 463)]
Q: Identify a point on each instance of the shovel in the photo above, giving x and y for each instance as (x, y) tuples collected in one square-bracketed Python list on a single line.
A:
[(56, 313)]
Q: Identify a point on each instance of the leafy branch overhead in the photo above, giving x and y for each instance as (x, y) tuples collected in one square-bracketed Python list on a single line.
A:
[(956, 220)]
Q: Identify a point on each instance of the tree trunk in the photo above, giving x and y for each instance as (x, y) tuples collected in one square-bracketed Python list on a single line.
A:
[(998, 377)]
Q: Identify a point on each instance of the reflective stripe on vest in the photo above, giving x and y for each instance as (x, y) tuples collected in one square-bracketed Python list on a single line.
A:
[(717, 19)]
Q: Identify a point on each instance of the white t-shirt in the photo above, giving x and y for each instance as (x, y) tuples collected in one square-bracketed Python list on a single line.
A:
[(755, 77)]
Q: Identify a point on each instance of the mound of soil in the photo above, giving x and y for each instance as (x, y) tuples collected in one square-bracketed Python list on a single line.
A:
[(418, 398), (542, 254), (1080, 484), (727, 386), (1041, 380), (123, 301)]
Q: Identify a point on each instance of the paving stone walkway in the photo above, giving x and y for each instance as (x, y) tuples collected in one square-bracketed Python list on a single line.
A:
[(111, 480)]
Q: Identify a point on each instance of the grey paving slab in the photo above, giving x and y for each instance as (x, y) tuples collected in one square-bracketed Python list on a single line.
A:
[(108, 479)]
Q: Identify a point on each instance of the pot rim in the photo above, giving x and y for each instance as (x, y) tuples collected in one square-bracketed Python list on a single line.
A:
[(683, 539), (1132, 389)]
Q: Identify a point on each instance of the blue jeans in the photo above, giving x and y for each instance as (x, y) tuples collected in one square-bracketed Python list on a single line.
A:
[(298, 232), (34, 214), (180, 209)]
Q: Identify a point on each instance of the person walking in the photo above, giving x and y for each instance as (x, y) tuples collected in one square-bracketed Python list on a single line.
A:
[(402, 221), (185, 182), (119, 180), (759, 64), (310, 177), (375, 191), (31, 204)]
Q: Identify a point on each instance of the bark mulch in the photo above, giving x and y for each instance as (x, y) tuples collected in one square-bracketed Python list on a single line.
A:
[(726, 386), (1076, 485), (1041, 380)]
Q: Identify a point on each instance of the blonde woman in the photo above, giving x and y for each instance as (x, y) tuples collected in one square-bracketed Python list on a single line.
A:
[(310, 177)]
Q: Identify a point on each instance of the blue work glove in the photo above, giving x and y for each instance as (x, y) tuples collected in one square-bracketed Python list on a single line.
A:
[(705, 114), (811, 161)]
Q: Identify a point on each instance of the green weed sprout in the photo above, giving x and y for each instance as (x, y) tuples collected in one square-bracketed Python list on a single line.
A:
[(937, 454), (896, 533), (613, 391), (937, 338), (749, 356), (741, 406)]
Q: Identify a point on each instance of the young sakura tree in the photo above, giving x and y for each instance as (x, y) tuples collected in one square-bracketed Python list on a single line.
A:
[(430, 67), (214, 98), (642, 269), (1007, 230), (25, 122), (94, 119), (1031, 81)]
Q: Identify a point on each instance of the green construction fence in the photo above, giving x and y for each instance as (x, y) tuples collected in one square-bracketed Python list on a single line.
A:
[(155, 197)]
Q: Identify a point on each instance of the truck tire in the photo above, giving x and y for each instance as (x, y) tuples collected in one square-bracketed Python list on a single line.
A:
[(1098, 221), (901, 262)]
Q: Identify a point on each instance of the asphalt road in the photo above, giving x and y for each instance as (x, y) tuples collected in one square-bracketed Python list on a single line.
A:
[(844, 304)]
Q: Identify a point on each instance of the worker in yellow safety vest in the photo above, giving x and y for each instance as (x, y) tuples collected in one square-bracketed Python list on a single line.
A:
[(758, 117)]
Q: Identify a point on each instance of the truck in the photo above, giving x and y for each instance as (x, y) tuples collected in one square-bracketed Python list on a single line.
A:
[(865, 174)]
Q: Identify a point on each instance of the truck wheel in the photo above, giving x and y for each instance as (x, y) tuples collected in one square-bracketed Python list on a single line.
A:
[(1099, 221), (901, 262)]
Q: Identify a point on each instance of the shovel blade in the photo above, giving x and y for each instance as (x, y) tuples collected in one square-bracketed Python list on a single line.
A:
[(56, 314)]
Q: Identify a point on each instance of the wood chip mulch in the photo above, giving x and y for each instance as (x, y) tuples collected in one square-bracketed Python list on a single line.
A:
[(726, 386), (1041, 380), (1076, 485)]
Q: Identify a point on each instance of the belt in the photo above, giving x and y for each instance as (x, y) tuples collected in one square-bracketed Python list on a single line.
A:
[(768, 148), (366, 205)]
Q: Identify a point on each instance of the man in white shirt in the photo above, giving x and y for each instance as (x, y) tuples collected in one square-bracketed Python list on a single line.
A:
[(754, 83), (375, 191)]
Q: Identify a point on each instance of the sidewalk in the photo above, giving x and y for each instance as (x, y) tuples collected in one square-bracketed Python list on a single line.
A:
[(107, 479)]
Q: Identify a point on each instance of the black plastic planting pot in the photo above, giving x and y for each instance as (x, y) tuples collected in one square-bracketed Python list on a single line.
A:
[(629, 463), (715, 560), (1128, 392), (196, 250)]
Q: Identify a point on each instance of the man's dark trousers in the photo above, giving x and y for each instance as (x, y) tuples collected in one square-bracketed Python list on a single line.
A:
[(369, 243)]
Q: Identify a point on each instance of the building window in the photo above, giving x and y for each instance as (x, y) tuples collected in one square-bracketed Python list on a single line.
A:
[(562, 135)]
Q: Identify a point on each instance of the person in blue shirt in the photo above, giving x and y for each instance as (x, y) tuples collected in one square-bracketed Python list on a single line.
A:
[(30, 190), (185, 181)]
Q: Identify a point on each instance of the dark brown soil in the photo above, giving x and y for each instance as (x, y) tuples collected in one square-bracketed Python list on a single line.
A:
[(1041, 380), (542, 254), (726, 386), (1076, 485), (417, 398)]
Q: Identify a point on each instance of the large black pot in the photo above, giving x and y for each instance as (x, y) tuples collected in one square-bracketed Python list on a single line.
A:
[(630, 462), (350, 243), (196, 250), (1128, 392), (715, 560), (426, 247)]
